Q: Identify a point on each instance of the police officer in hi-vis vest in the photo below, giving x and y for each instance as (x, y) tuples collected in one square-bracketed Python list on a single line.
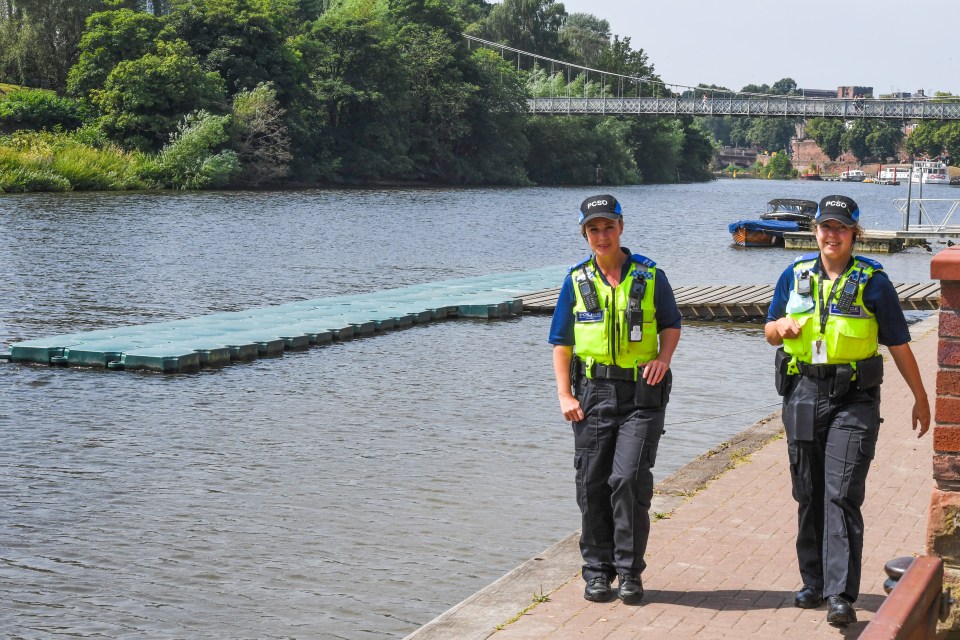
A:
[(830, 310), (614, 331)]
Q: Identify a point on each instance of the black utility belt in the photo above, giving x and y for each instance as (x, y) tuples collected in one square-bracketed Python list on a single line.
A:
[(831, 370), (863, 374), (819, 370), (612, 372)]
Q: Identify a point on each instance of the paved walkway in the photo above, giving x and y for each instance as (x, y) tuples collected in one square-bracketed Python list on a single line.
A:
[(723, 564)]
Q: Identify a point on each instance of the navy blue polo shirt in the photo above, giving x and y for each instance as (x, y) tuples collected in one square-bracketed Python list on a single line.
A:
[(561, 329), (879, 297)]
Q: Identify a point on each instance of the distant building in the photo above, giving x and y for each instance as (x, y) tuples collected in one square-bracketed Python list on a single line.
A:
[(818, 93), (897, 95), (854, 92)]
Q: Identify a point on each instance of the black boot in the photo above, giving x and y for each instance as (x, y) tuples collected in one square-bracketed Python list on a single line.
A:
[(631, 588), (808, 598), (598, 590), (841, 612)]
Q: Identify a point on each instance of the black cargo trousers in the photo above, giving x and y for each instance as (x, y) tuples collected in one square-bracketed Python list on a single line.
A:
[(615, 450), (831, 443)]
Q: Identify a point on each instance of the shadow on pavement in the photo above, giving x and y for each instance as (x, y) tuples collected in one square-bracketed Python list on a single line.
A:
[(747, 600)]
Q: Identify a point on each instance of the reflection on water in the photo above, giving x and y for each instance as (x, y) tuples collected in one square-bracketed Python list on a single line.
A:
[(340, 492)]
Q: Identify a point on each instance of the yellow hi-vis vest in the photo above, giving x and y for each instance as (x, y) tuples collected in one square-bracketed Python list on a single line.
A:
[(604, 335), (850, 334)]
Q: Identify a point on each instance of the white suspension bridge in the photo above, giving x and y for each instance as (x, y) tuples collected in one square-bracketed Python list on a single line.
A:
[(610, 93)]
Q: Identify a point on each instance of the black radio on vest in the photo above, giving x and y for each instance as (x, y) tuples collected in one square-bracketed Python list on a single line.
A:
[(849, 292), (589, 294)]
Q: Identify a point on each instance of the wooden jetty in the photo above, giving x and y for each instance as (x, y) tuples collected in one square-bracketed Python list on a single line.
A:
[(743, 302), (871, 242)]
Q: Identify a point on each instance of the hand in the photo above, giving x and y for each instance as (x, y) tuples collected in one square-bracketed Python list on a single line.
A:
[(788, 328), (570, 407), (654, 371), (921, 415)]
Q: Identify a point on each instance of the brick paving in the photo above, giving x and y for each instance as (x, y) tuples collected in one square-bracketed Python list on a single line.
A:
[(723, 564)]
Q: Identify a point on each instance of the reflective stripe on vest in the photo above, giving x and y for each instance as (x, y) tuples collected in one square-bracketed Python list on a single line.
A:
[(604, 336), (849, 335)]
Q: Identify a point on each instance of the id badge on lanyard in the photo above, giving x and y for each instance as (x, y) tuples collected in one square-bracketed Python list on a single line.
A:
[(818, 353)]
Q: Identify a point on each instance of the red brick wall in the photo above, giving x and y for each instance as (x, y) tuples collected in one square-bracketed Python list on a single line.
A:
[(943, 524)]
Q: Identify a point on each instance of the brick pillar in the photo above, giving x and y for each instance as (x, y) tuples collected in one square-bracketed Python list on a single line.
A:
[(943, 525)]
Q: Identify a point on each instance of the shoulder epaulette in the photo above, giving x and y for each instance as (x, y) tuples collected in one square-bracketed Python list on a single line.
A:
[(644, 260), (807, 257), (870, 261), (579, 264)]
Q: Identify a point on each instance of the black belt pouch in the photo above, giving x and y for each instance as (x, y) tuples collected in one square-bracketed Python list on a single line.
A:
[(654, 396), (842, 381), (780, 362), (870, 372)]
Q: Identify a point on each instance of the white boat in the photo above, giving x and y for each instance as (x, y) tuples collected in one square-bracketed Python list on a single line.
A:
[(894, 173), (852, 175), (931, 172)]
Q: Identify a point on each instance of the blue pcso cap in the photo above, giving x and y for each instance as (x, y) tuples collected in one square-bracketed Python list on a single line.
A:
[(602, 206), (839, 208)]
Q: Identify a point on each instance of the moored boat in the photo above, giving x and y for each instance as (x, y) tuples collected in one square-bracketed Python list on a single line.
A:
[(783, 215), (930, 172), (852, 175), (760, 233)]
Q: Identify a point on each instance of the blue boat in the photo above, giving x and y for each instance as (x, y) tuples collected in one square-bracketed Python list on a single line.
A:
[(783, 215)]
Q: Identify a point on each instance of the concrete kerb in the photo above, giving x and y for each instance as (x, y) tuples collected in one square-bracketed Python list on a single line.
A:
[(517, 591)]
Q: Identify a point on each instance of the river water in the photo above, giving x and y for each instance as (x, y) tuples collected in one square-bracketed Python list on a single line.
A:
[(350, 491)]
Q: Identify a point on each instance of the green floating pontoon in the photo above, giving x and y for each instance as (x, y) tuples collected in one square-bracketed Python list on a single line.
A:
[(221, 338)]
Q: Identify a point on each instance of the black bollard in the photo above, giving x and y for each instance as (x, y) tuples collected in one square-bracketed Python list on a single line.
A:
[(895, 569)]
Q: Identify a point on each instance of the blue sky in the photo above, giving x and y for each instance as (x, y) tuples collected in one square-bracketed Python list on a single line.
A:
[(890, 45)]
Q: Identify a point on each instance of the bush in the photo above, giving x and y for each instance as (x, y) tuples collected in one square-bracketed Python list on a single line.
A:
[(38, 109), (93, 169), (778, 167), (190, 160), (46, 161), (26, 179)]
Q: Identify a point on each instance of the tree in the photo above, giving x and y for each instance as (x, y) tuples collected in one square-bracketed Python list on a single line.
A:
[(241, 40), (771, 133), (784, 87), (872, 138), (854, 139), (827, 133), (585, 37), (571, 149), (260, 137), (884, 140), (42, 36), (442, 82), (143, 100), (528, 25), (932, 139), (779, 167), (494, 148), (697, 152), (110, 37), (354, 119)]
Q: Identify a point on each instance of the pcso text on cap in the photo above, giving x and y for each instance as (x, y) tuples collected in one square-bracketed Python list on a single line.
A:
[(602, 206), (840, 208)]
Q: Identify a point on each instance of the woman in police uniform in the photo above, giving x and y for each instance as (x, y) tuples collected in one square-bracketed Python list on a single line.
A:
[(830, 310), (614, 331)]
